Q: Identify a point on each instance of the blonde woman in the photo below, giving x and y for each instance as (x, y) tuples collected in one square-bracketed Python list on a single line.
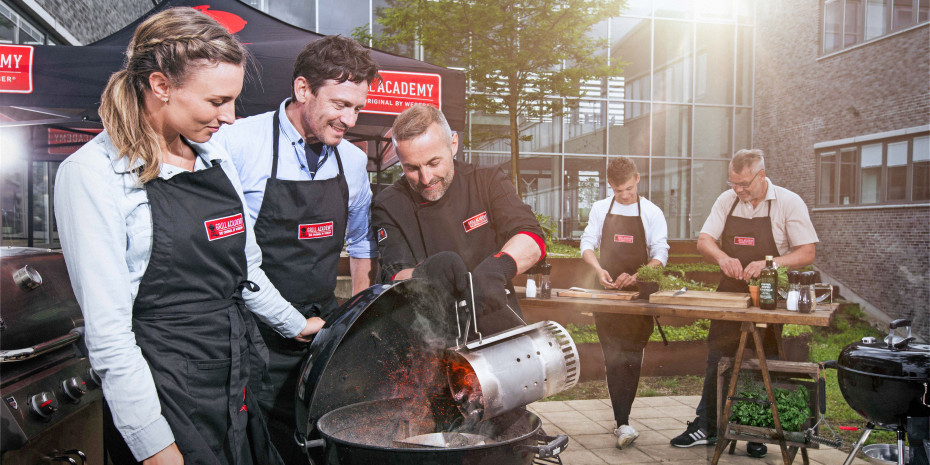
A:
[(161, 257)]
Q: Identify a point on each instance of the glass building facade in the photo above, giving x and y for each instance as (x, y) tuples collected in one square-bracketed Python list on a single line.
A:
[(24, 215), (681, 107)]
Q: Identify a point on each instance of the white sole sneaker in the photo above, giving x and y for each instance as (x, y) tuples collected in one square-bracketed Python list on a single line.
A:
[(626, 434)]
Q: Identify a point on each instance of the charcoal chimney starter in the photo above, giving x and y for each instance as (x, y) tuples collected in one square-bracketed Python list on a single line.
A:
[(511, 369)]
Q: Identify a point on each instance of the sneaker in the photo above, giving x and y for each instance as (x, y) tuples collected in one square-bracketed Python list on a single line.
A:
[(625, 434), (694, 435), (756, 449)]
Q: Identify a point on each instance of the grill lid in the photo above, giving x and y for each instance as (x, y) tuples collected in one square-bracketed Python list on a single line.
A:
[(909, 363), (37, 304), (894, 357), (384, 343)]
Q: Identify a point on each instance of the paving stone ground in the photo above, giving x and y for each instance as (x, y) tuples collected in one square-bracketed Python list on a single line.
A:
[(589, 425)]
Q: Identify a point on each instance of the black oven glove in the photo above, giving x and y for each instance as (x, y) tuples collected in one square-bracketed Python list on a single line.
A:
[(490, 280), (446, 271)]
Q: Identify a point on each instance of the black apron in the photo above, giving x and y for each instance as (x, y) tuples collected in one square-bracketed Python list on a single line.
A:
[(300, 228), (623, 337), (748, 240), (191, 324)]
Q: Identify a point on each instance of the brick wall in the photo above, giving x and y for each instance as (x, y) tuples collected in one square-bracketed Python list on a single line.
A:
[(882, 254), (90, 20)]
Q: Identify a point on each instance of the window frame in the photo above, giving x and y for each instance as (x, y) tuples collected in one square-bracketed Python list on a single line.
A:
[(860, 28), (837, 151)]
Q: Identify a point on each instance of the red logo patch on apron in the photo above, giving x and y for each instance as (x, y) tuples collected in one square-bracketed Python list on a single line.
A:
[(476, 221), (315, 231), (622, 238), (224, 227), (382, 234), (744, 240)]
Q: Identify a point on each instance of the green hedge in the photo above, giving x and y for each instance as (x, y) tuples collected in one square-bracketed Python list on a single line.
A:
[(696, 331)]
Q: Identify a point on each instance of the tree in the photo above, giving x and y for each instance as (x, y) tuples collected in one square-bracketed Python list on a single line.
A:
[(517, 54)]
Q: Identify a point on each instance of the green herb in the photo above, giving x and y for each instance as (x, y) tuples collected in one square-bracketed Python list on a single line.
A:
[(699, 266), (783, 275), (652, 274), (792, 407), (558, 249), (670, 278)]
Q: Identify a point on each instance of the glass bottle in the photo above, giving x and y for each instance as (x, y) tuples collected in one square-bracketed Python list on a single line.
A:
[(545, 286), (794, 291), (768, 285)]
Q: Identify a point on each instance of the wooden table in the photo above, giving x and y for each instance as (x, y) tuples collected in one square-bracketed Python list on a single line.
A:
[(822, 317), (752, 319)]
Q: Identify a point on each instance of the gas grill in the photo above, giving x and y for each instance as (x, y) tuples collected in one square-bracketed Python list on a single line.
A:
[(52, 401)]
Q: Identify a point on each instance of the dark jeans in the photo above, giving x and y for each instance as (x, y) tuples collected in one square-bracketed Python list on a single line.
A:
[(623, 338), (722, 341)]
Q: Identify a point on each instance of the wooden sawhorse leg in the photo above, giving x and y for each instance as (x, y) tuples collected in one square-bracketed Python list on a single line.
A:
[(745, 330)]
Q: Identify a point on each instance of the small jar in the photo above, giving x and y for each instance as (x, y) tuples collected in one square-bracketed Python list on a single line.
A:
[(806, 300), (545, 286), (812, 288), (530, 287)]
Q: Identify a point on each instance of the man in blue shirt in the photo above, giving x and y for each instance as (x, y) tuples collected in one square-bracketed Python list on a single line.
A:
[(307, 189)]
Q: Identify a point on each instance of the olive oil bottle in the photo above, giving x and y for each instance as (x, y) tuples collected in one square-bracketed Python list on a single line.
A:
[(768, 285)]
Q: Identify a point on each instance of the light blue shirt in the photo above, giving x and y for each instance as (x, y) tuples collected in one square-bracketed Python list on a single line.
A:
[(105, 225), (249, 143)]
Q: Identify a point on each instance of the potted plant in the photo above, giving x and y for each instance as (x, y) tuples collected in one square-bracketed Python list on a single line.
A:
[(754, 291), (792, 403), (647, 280)]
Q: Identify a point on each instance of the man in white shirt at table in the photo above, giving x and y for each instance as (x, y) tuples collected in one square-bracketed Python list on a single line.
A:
[(629, 231)]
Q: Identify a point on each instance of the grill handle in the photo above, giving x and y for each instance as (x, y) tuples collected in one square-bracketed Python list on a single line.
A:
[(555, 445), (16, 355)]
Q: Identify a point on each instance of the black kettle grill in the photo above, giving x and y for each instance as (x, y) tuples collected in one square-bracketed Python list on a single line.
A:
[(885, 381), (374, 389)]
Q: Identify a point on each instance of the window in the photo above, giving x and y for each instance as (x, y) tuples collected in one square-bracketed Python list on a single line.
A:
[(890, 171), (14, 29), (850, 22)]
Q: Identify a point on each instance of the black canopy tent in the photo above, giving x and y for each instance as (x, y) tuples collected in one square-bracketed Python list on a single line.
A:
[(67, 81), (59, 112)]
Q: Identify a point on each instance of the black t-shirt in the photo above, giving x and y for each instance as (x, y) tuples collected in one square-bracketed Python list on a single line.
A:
[(475, 218)]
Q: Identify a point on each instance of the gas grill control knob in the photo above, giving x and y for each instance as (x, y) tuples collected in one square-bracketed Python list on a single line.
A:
[(73, 388), (43, 404)]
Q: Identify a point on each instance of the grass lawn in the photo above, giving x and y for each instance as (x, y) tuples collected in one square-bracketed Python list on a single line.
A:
[(849, 326)]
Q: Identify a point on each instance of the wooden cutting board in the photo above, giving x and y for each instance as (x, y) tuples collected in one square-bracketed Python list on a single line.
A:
[(702, 299), (612, 295)]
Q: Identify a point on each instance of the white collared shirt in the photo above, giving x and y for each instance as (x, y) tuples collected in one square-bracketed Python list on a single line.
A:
[(653, 223)]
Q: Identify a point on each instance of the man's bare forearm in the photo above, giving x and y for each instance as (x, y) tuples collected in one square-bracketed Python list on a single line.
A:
[(363, 272)]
